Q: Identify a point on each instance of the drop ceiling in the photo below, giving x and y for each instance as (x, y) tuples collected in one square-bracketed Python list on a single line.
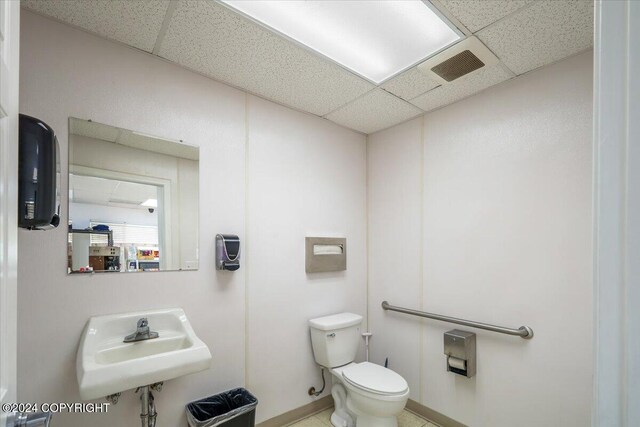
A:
[(214, 40)]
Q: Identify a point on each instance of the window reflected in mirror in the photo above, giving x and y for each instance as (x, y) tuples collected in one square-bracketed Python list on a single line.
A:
[(133, 201)]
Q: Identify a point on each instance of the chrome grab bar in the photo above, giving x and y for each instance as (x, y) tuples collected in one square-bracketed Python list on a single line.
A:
[(523, 331)]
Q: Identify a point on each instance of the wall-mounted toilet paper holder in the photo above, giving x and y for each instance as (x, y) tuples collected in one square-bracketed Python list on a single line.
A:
[(460, 348)]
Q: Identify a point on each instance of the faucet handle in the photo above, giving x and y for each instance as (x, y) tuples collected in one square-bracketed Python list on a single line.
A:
[(143, 323), (142, 332)]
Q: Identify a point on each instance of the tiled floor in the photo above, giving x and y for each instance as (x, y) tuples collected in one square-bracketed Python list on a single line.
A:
[(322, 419)]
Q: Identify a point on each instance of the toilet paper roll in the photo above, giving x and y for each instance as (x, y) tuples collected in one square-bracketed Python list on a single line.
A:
[(454, 362)]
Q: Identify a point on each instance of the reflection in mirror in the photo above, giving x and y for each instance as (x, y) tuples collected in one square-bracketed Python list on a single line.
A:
[(133, 201)]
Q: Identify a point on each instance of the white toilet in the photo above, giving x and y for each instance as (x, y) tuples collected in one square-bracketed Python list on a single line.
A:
[(365, 394)]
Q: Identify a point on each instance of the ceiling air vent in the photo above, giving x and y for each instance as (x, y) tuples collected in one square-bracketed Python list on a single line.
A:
[(458, 65), (459, 60)]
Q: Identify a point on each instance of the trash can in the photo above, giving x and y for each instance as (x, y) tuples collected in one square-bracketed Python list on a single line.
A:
[(232, 408)]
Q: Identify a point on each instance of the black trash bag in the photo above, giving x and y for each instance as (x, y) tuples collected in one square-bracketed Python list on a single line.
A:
[(218, 410)]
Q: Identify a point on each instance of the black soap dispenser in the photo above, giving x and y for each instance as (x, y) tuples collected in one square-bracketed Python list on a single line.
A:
[(38, 175), (227, 252)]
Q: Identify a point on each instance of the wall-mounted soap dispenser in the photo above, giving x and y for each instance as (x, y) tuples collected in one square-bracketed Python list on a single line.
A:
[(227, 252), (38, 175)]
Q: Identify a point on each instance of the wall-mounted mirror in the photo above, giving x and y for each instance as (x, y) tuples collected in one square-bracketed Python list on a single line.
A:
[(133, 201)]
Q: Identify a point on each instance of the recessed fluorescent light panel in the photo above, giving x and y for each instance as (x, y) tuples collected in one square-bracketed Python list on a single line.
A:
[(375, 39)]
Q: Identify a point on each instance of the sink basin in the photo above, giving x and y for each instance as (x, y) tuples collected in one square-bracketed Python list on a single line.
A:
[(106, 365)]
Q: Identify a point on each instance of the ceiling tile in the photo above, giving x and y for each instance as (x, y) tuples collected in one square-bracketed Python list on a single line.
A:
[(409, 84), (136, 23), (477, 14), (211, 39), (541, 34), (375, 111), (461, 88)]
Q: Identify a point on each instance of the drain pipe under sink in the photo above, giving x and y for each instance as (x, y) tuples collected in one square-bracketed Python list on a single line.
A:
[(25, 419)]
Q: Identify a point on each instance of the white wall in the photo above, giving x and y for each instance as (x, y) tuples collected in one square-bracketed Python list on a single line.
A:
[(501, 201), (66, 72), (395, 247), (311, 182)]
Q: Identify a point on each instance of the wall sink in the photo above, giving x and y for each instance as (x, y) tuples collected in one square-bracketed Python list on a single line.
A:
[(106, 365)]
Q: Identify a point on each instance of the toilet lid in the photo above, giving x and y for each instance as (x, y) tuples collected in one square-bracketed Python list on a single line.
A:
[(375, 378)]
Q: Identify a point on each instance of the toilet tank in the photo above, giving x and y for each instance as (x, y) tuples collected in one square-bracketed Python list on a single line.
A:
[(335, 339)]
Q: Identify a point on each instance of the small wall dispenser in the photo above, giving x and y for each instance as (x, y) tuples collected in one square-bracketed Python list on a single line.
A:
[(38, 175), (324, 254), (227, 252), (460, 348)]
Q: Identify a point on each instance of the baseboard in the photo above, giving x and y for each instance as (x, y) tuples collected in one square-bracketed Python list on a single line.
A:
[(298, 413), (432, 415)]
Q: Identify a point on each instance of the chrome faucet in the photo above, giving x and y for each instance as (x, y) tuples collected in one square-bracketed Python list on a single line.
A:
[(142, 332)]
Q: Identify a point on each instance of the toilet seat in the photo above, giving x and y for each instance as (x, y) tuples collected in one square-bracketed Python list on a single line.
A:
[(375, 379)]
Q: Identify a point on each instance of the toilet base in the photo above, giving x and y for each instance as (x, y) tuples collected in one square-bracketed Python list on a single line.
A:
[(338, 421), (356, 410), (341, 416)]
